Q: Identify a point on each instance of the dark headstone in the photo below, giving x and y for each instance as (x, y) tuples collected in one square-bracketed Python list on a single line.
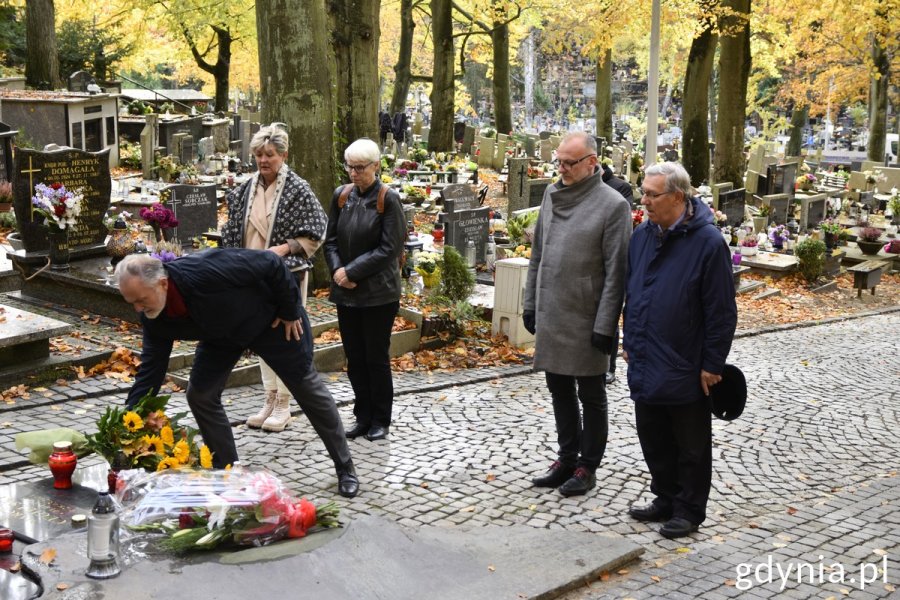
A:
[(536, 188), (464, 220), (815, 212), (732, 203), (79, 80), (187, 150), (517, 184), (531, 146), (7, 136), (780, 178), (468, 139), (75, 169), (195, 208), (545, 135), (461, 195), (460, 226), (779, 205), (868, 199)]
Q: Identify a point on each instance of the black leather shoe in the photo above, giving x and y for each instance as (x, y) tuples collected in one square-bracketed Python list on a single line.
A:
[(348, 484), (555, 477), (580, 482), (610, 378), (651, 512), (356, 431), (377, 432), (677, 527)]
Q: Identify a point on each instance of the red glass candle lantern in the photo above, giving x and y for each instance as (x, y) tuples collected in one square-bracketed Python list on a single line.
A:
[(62, 465), (6, 540)]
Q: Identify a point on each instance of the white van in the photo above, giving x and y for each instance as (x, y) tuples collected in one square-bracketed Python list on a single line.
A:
[(891, 143)]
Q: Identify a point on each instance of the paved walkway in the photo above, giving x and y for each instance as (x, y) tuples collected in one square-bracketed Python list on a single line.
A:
[(808, 474)]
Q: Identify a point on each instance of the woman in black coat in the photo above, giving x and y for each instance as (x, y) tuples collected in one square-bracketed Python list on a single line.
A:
[(364, 240)]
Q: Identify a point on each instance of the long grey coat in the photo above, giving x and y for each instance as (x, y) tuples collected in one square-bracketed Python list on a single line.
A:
[(576, 277)]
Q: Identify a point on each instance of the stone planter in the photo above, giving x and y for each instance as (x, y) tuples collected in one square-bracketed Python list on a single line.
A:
[(749, 250), (869, 248), (760, 224)]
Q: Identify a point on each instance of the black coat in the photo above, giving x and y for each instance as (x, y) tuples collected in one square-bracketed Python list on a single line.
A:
[(620, 185), (232, 296), (367, 244)]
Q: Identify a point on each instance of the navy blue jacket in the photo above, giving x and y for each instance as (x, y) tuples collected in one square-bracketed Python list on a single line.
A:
[(680, 312), (232, 296)]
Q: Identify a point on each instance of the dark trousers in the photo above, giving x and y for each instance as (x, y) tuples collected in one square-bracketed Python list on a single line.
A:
[(366, 336), (580, 431), (213, 363), (677, 444)]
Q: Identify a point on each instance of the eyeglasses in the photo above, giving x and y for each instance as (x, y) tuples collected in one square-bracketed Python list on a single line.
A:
[(651, 195), (357, 168), (571, 163)]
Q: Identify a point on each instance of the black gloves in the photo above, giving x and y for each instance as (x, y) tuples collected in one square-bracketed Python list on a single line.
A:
[(603, 343), (528, 321)]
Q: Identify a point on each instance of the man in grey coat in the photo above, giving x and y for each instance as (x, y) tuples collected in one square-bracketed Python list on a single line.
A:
[(573, 298)]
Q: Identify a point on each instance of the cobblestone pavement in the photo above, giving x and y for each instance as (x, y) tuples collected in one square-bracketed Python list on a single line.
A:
[(807, 474)]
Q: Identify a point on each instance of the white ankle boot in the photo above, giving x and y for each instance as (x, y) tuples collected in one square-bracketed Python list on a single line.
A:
[(281, 414), (257, 420)]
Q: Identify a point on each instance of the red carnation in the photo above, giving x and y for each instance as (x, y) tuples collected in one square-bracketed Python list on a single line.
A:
[(59, 210), (56, 185)]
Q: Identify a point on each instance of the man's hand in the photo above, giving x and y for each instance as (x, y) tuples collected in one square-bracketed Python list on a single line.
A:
[(625, 356), (280, 250), (292, 329), (707, 380), (340, 278), (528, 321)]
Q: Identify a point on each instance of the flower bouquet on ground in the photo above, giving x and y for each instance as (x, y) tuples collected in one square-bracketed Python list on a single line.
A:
[(61, 207), (144, 437), (201, 510)]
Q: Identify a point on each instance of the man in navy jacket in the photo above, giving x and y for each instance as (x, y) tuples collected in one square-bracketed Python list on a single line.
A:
[(230, 300), (680, 318)]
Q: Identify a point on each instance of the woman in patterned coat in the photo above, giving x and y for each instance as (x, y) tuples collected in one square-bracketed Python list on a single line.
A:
[(275, 210)]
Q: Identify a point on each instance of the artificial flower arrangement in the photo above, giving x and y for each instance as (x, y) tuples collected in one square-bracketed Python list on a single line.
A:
[(201, 510), (159, 215), (385, 178), (61, 207), (749, 242), (637, 217), (428, 265), (778, 234), (806, 181)]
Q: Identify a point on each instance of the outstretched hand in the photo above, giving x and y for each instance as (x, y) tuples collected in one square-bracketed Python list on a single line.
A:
[(292, 329)]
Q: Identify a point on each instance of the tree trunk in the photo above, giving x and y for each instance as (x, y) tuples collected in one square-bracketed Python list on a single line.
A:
[(528, 61), (713, 95), (695, 107), (734, 70), (878, 108), (222, 68), (41, 58), (403, 68), (355, 33), (603, 97), (500, 42), (443, 87), (798, 120), (296, 90)]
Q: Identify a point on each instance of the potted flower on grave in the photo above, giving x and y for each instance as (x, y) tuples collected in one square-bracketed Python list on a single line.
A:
[(428, 265), (6, 196), (60, 208), (867, 239), (749, 246), (161, 218), (806, 182), (831, 231), (778, 235), (761, 220)]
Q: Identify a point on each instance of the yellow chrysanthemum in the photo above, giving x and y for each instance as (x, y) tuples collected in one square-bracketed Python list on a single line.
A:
[(168, 463), (205, 457), (154, 442), (181, 451), (167, 436), (133, 421)]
